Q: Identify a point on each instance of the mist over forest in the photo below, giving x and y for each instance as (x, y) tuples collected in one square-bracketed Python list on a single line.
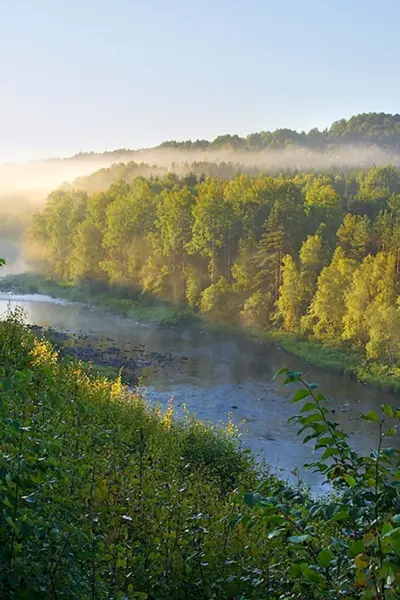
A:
[(359, 142)]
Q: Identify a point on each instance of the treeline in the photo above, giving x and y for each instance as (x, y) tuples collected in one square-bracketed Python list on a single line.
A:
[(318, 255), (380, 129), (102, 179), (371, 128)]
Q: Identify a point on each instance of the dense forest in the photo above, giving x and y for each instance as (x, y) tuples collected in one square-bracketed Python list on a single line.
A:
[(317, 255)]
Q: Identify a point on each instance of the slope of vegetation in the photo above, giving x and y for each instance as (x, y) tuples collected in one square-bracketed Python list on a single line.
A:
[(377, 129), (316, 256), (103, 497), (366, 128), (373, 128)]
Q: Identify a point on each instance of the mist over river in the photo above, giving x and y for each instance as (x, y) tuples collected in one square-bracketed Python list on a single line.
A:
[(216, 374)]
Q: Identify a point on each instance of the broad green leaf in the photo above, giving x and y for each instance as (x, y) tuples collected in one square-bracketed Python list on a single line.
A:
[(341, 515), (292, 377), (387, 410), (300, 394), (324, 442), (325, 558), (361, 561), (356, 547), (329, 452), (390, 452), (387, 528), (311, 575), (309, 406), (252, 499), (280, 372), (390, 432), (371, 415), (313, 418), (275, 533), (395, 543), (350, 480)]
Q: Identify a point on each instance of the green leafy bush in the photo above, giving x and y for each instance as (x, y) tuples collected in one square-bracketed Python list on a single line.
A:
[(102, 496), (350, 546), (219, 301)]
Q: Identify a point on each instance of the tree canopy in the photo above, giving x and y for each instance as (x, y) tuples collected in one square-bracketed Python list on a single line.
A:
[(316, 254)]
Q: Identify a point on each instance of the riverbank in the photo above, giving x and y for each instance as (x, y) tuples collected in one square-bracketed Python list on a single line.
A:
[(108, 357), (337, 360)]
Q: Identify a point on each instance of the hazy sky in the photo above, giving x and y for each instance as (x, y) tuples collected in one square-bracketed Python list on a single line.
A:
[(104, 74)]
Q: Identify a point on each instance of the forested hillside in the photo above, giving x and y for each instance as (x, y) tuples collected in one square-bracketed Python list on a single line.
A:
[(364, 141), (317, 255), (372, 128), (366, 128)]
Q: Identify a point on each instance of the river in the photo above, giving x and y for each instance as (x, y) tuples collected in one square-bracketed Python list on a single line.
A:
[(222, 374)]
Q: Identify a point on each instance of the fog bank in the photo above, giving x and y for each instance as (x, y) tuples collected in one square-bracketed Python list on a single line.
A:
[(32, 181)]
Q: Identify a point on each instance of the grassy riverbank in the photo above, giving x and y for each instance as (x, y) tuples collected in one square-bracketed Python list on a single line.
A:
[(336, 360), (125, 302)]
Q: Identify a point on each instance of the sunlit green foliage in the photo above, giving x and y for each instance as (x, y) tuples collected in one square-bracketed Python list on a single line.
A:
[(358, 553), (105, 497), (314, 254)]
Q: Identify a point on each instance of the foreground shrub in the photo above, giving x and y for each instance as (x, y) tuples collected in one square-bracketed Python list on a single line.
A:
[(350, 546), (104, 497)]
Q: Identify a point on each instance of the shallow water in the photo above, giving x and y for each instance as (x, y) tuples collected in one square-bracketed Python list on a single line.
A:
[(222, 374)]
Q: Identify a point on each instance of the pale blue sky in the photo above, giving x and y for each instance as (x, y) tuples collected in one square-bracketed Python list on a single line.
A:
[(104, 74)]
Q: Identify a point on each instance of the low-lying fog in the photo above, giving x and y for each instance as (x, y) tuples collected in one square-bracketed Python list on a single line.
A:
[(34, 180)]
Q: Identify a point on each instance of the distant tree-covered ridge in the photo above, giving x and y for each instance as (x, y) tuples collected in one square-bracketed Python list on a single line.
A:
[(368, 128), (363, 141), (372, 128)]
